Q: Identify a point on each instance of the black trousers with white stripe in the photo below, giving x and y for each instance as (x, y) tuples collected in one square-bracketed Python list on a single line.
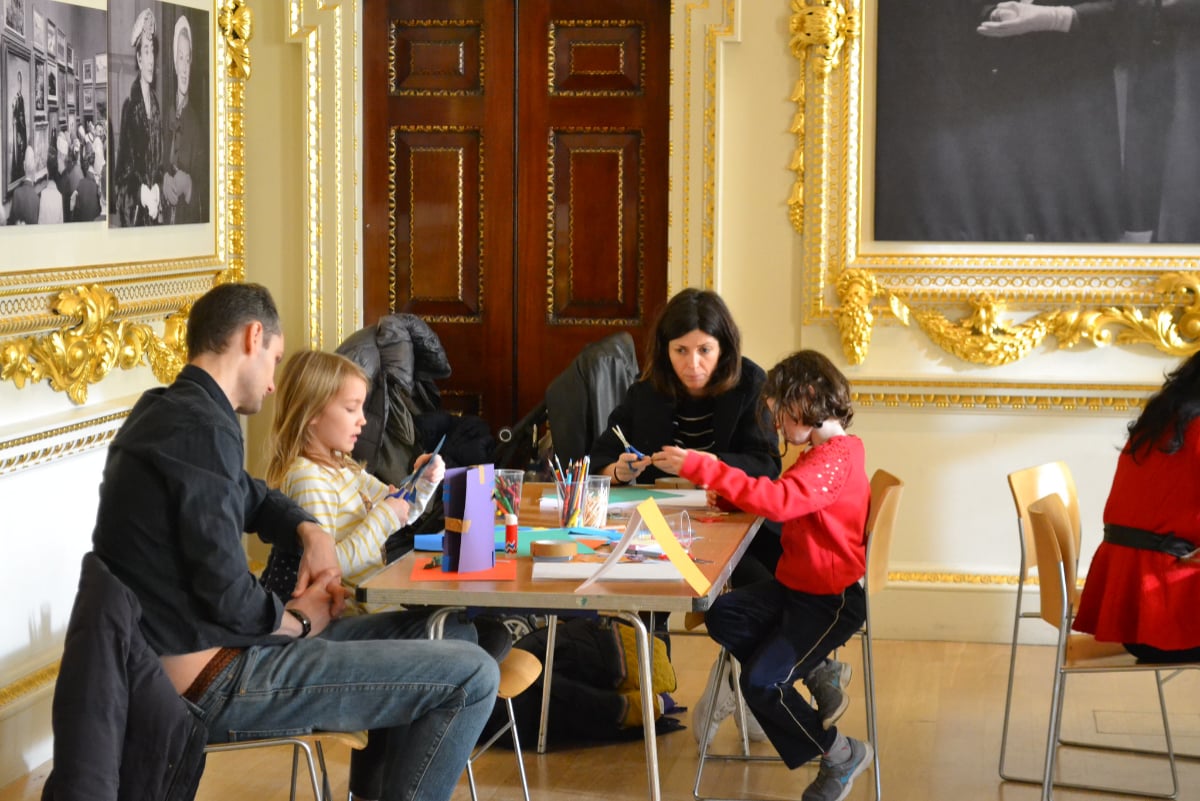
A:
[(779, 635)]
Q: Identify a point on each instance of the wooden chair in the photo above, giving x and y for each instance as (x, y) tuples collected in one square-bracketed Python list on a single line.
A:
[(1055, 545), (881, 522), (301, 743), (1027, 486), (518, 671)]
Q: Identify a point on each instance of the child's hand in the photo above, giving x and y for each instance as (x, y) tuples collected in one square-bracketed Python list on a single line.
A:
[(670, 459), (436, 470), (399, 506)]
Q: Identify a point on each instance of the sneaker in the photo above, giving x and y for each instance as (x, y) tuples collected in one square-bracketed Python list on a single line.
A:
[(827, 682), (754, 729), (833, 782), (725, 705)]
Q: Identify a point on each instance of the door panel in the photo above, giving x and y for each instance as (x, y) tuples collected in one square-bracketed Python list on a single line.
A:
[(438, 101), (593, 131), (522, 210)]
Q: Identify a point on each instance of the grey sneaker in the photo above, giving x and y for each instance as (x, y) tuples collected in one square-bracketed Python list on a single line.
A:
[(833, 782), (725, 704), (827, 682)]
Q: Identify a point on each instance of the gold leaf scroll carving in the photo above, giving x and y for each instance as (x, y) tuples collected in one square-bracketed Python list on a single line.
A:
[(983, 337), (74, 357), (820, 29), (237, 26)]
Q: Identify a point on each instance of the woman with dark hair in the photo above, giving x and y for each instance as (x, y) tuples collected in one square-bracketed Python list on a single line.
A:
[(138, 176), (696, 391), (1144, 581)]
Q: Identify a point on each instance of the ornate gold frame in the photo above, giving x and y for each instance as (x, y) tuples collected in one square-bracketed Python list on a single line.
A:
[(72, 326), (1105, 295)]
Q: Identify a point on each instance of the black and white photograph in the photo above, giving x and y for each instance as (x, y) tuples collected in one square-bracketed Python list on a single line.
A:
[(1056, 122), (39, 31), (89, 68), (17, 116), (59, 174), (88, 102), (39, 88), (14, 17), (51, 84), (161, 149), (101, 60)]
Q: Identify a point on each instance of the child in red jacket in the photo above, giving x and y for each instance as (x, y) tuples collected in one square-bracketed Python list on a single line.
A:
[(782, 630)]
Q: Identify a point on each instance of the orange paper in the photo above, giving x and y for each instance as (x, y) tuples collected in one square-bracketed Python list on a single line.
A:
[(505, 570)]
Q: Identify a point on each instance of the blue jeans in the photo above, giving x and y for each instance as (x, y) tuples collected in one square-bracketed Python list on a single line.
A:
[(779, 635), (424, 701)]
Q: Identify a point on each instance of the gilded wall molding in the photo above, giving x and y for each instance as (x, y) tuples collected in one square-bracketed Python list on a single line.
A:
[(14, 695), (80, 323), (1112, 399), (329, 33), (696, 36), (983, 309)]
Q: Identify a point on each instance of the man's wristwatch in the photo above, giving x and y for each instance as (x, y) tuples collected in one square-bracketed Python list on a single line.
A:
[(305, 623)]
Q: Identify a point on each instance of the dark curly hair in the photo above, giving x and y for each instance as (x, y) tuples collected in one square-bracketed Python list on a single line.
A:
[(810, 388)]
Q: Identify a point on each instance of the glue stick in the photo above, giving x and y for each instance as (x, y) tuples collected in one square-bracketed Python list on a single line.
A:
[(510, 534)]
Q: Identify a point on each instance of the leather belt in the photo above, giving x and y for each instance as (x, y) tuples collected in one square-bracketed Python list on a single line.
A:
[(1148, 540), (218, 663)]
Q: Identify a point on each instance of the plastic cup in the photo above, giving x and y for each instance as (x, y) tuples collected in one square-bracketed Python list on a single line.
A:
[(680, 524), (585, 505), (509, 484), (595, 507)]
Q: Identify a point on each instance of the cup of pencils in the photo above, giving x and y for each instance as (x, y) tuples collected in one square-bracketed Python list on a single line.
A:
[(508, 491), (595, 501)]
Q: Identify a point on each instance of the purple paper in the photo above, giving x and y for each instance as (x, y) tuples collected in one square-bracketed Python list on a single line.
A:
[(469, 543)]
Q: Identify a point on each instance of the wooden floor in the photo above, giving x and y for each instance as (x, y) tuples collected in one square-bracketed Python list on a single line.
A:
[(941, 706)]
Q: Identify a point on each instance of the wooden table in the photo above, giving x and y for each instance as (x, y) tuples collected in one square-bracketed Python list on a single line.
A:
[(718, 547)]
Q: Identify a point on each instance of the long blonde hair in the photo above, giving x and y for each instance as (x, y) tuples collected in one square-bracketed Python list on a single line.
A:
[(310, 380)]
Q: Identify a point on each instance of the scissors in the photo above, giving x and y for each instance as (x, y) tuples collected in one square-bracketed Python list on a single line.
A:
[(408, 488), (628, 448)]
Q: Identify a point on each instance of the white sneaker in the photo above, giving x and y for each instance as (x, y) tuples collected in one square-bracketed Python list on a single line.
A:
[(725, 705), (754, 729)]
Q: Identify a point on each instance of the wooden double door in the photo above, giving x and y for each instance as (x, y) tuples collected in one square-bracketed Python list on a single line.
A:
[(515, 182)]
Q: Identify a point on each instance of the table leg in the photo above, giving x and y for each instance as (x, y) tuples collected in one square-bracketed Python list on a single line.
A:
[(645, 679), (547, 674)]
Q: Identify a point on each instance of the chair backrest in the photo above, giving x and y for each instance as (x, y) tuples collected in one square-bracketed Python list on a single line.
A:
[(1054, 544), (1032, 483), (881, 522)]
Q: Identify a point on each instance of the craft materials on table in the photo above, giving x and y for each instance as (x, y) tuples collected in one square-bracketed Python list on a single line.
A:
[(572, 489), (509, 484)]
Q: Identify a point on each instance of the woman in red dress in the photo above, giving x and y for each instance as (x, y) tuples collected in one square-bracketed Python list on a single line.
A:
[(1143, 587)]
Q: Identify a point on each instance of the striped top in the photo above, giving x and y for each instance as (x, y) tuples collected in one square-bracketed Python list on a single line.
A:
[(694, 424), (349, 505)]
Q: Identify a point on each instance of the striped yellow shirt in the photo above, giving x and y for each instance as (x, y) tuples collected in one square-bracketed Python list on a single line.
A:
[(349, 505)]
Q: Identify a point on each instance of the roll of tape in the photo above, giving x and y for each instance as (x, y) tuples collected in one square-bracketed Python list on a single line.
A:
[(552, 549)]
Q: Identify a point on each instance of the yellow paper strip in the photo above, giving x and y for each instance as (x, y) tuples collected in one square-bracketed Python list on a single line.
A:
[(666, 540)]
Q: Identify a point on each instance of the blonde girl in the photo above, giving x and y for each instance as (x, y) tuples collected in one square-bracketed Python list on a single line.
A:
[(318, 417)]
